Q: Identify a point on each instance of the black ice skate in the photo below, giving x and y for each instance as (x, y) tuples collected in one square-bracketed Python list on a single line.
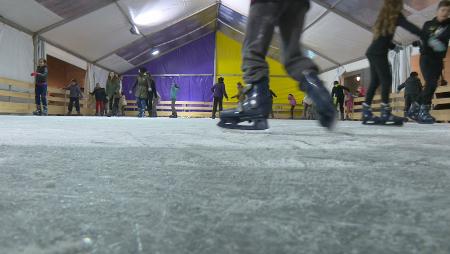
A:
[(387, 118), (45, 111), (321, 98), (38, 111), (424, 116), (413, 111), (255, 109), (368, 118)]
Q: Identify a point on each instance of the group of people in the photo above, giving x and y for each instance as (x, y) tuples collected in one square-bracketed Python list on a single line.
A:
[(256, 99), (289, 16)]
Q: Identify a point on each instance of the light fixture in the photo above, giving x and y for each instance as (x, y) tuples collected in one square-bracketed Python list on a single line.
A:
[(155, 52), (358, 78), (135, 30), (147, 18)]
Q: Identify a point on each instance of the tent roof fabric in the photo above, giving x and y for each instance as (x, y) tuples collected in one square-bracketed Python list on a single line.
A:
[(337, 32)]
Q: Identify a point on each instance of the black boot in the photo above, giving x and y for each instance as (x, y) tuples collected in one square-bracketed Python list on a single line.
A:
[(313, 86), (255, 108), (342, 116), (413, 111), (367, 115), (424, 116), (387, 118), (45, 111), (38, 111)]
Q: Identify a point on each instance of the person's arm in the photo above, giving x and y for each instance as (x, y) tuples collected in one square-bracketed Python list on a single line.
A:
[(410, 27), (333, 92), (400, 87), (273, 94), (346, 88), (44, 74), (225, 92), (213, 88)]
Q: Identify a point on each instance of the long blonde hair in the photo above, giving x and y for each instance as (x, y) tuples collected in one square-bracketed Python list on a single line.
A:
[(387, 19)]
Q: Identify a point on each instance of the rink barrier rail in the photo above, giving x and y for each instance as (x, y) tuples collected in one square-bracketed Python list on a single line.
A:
[(441, 104), (17, 97), (204, 109)]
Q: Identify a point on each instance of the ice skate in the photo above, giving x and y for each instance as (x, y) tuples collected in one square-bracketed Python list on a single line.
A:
[(255, 109), (368, 118), (387, 118), (424, 116), (321, 98)]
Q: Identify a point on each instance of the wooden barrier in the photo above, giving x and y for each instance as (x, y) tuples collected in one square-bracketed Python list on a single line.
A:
[(204, 109), (18, 98), (441, 104)]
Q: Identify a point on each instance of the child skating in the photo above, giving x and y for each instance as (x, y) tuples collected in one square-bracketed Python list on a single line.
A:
[(41, 75)]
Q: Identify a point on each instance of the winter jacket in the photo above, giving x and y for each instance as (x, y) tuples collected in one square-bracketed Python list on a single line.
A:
[(174, 91), (75, 91), (219, 91), (413, 86), (112, 87), (42, 74), (99, 93), (441, 31), (338, 91), (153, 93), (141, 86)]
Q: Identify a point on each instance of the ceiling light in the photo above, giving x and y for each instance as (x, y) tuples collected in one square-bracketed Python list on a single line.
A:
[(155, 52), (358, 78), (148, 18)]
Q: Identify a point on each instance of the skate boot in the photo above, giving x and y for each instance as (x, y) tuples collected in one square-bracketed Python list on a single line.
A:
[(424, 116), (342, 116), (413, 111), (387, 118), (368, 118), (38, 111), (173, 116), (313, 86), (45, 111), (255, 109)]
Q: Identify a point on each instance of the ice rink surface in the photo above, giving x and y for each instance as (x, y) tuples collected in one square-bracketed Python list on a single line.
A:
[(126, 185)]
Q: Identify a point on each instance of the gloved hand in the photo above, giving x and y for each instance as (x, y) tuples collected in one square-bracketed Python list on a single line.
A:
[(34, 74), (436, 44)]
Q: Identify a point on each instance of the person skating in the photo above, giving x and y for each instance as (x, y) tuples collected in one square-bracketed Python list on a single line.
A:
[(75, 95), (219, 92), (272, 95), (140, 87), (388, 19), (112, 88), (293, 104), (173, 97), (152, 95), (100, 96), (431, 63), (240, 95), (338, 92), (289, 15), (123, 104), (413, 88), (40, 89)]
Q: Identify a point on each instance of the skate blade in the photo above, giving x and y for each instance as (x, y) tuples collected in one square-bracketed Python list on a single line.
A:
[(234, 125)]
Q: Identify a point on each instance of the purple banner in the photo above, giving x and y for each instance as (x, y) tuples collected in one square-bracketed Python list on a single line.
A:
[(195, 59)]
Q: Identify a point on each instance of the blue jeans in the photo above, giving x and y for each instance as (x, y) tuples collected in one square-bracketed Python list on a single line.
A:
[(41, 94), (142, 104)]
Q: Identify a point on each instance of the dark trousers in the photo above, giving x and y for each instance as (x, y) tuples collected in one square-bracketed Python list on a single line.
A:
[(40, 92), (111, 103), (174, 111), (115, 109), (218, 101), (142, 104), (292, 112), (431, 69), (150, 104), (340, 103), (409, 99), (380, 74), (76, 101), (289, 15)]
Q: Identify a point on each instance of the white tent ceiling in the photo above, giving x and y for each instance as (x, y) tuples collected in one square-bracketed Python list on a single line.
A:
[(336, 31)]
